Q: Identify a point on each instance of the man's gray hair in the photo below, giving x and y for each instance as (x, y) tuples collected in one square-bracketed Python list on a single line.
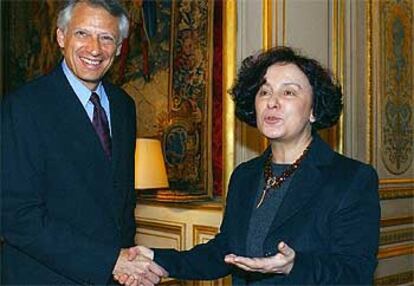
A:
[(112, 6)]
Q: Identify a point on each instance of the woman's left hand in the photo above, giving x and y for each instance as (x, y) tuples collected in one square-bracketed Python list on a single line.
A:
[(282, 262)]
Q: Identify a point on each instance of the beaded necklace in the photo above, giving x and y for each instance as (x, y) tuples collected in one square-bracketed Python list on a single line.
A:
[(273, 181)]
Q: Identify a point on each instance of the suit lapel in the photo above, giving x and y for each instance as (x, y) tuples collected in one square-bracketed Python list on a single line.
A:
[(302, 189), (122, 155), (74, 121), (117, 128), (305, 183), (79, 137), (117, 123)]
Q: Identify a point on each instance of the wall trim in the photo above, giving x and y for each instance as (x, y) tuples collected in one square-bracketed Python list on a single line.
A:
[(164, 227), (199, 230), (369, 80), (213, 205), (338, 66), (396, 181), (395, 279), (229, 72), (396, 193), (397, 221), (284, 22), (393, 251), (397, 236), (267, 24)]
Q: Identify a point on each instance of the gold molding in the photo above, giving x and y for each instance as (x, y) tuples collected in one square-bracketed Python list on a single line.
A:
[(396, 193), (393, 251), (395, 279), (373, 80), (267, 24), (165, 227), (279, 11), (229, 72), (213, 205), (284, 22), (393, 157), (396, 181), (267, 27), (390, 188), (369, 80), (276, 24), (170, 282), (338, 59), (397, 221), (198, 230), (397, 236)]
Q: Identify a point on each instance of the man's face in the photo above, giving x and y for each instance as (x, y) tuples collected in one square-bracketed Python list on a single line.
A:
[(89, 43)]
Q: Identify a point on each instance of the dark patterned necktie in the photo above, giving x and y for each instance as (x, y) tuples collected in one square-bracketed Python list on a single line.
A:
[(100, 123)]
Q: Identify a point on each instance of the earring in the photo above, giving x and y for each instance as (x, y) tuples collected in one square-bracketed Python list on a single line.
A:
[(312, 119)]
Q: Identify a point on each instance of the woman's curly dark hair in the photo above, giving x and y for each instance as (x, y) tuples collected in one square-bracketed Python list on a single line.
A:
[(327, 93)]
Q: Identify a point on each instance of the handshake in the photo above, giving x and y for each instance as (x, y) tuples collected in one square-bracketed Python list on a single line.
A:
[(135, 267)]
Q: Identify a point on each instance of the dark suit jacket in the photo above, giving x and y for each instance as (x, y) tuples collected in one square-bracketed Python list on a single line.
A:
[(330, 217), (66, 209)]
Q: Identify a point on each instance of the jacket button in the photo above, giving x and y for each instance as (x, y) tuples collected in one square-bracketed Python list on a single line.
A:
[(267, 254)]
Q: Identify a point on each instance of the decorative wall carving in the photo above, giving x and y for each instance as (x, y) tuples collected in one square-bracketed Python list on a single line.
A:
[(396, 279), (203, 233), (390, 129), (396, 193), (392, 251), (397, 221), (397, 236), (397, 85), (160, 233)]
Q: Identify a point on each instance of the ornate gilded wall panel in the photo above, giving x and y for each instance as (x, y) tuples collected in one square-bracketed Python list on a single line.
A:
[(390, 130), (396, 64), (397, 236), (203, 233), (390, 91), (396, 279), (160, 233)]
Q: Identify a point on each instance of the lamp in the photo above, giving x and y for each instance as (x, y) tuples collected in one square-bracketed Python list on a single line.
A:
[(149, 165)]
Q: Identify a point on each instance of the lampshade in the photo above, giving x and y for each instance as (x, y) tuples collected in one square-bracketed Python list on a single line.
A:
[(149, 165)]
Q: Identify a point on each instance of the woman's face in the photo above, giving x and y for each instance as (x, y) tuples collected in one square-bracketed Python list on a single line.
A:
[(284, 104)]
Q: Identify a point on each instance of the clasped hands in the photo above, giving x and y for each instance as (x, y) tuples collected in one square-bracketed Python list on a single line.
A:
[(135, 267)]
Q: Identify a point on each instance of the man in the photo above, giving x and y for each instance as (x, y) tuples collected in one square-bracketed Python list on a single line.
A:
[(67, 162)]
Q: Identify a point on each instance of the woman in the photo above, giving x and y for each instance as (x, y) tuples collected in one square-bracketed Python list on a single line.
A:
[(300, 213)]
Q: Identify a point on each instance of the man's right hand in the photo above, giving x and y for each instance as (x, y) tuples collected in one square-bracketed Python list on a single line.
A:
[(135, 267), (140, 250)]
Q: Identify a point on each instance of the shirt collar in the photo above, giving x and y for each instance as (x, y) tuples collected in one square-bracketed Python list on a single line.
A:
[(82, 92)]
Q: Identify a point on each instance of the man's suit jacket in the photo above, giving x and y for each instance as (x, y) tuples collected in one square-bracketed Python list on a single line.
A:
[(66, 208), (329, 216)]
